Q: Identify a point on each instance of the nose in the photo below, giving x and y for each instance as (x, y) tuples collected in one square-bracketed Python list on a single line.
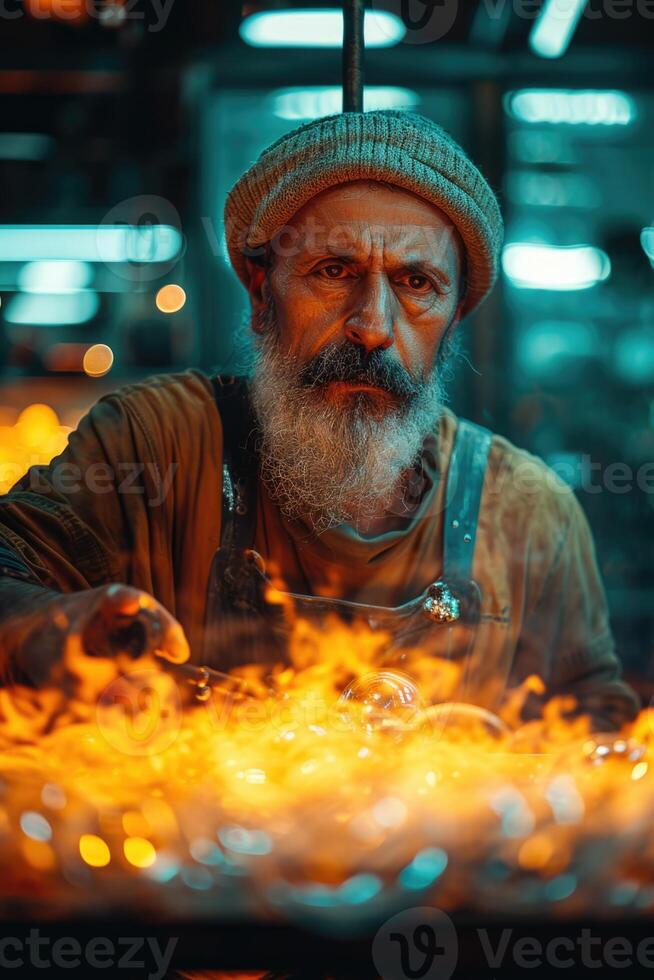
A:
[(370, 325)]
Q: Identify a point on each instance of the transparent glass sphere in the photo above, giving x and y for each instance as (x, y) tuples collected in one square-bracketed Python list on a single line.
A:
[(384, 700), (461, 722)]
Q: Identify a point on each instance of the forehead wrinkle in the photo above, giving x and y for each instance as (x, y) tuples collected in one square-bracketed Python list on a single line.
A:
[(351, 236)]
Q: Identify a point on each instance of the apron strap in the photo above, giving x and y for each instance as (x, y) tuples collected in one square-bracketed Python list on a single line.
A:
[(465, 482), (239, 503), (234, 590)]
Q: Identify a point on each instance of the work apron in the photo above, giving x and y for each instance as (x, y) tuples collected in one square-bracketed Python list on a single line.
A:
[(247, 621)]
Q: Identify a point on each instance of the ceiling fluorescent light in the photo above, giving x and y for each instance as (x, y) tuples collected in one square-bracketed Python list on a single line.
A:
[(45, 310), (552, 33), (61, 276), (561, 268), (317, 29), (89, 243), (323, 100), (571, 107)]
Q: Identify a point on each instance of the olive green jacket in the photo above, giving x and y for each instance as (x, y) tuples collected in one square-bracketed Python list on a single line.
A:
[(135, 498)]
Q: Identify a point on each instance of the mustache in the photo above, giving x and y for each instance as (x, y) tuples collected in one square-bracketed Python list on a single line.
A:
[(352, 364)]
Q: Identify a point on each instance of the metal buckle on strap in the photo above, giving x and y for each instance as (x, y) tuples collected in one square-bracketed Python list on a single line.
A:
[(441, 605)]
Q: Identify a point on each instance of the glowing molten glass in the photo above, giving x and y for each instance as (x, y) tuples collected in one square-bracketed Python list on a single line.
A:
[(384, 700), (127, 793)]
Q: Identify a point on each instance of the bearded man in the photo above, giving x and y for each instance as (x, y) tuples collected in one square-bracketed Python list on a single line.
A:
[(362, 239)]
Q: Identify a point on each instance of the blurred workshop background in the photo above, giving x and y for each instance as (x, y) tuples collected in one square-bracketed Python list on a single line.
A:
[(124, 122)]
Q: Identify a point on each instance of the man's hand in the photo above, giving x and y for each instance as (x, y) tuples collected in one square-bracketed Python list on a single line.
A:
[(119, 619), (36, 625)]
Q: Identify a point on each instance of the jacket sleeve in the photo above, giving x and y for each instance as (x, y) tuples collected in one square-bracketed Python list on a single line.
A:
[(73, 524), (566, 636)]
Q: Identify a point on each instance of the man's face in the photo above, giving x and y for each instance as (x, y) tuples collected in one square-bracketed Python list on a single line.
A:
[(352, 314), (367, 265)]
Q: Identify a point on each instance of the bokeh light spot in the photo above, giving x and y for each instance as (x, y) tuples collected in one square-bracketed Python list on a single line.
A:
[(94, 851), (170, 298), (35, 826), (98, 360), (139, 852)]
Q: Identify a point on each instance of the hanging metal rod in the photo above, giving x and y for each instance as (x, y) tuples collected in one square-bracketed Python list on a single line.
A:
[(353, 50)]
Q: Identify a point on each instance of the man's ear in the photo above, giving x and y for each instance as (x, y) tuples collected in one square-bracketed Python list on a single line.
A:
[(258, 289), (458, 311), (257, 285)]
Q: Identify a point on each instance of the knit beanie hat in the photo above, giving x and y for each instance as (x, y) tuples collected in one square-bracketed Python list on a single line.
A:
[(400, 148)]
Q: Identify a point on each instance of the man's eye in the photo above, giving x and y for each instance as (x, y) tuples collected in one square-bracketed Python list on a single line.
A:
[(333, 271), (418, 283)]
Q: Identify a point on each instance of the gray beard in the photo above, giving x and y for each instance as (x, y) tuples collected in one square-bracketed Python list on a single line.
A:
[(327, 464)]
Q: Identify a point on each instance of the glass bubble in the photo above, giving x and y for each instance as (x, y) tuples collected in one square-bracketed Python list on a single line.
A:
[(382, 701), (460, 721)]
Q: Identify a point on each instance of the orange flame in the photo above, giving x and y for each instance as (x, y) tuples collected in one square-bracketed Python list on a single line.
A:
[(32, 440), (120, 790), (126, 780)]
